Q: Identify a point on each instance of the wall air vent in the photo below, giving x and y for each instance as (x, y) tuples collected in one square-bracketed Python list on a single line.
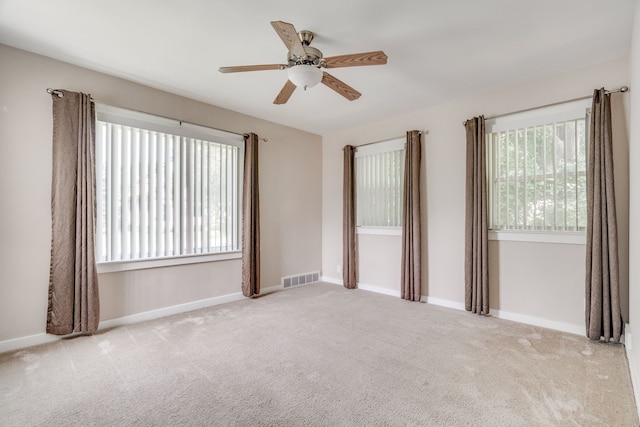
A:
[(300, 279)]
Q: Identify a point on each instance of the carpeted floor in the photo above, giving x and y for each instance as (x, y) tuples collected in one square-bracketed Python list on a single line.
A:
[(319, 355)]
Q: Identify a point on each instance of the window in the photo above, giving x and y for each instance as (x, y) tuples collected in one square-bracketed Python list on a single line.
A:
[(164, 188), (537, 164), (379, 171)]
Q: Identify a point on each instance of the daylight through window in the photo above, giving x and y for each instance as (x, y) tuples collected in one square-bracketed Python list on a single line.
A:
[(537, 166), (164, 189), (379, 170)]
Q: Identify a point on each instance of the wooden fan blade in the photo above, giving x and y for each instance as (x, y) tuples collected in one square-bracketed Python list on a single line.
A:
[(242, 68), (341, 87), (357, 59), (285, 93), (289, 36)]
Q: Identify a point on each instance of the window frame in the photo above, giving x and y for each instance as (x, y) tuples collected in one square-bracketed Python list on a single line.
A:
[(394, 144), (529, 118), (147, 121)]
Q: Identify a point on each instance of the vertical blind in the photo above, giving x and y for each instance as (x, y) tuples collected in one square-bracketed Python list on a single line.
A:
[(538, 173), (379, 181), (163, 195)]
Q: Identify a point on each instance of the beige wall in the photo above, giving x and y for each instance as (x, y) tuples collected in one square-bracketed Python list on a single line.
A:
[(290, 186), (633, 348), (295, 187), (537, 280)]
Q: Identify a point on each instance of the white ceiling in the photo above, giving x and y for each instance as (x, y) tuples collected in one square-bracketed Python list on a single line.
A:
[(437, 49)]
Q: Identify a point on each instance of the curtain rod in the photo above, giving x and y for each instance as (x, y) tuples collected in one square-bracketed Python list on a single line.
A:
[(383, 140), (623, 89), (60, 94)]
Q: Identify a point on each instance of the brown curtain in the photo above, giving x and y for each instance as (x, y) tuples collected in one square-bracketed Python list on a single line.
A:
[(476, 276), (349, 274), (74, 305), (603, 317), (250, 219), (411, 241)]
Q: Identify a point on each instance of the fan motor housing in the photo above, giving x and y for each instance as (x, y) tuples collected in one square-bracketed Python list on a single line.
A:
[(314, 57)]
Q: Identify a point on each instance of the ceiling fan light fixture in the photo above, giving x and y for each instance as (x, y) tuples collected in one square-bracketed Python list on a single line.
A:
[(304, 75), (305, 64)]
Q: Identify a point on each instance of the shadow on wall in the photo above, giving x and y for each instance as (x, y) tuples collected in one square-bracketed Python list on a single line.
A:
[(621, 169), (494, 275), (424, 244)]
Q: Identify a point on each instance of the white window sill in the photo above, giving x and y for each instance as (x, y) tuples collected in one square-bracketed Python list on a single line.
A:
[(569, 238), (387, 231), (115, 266)]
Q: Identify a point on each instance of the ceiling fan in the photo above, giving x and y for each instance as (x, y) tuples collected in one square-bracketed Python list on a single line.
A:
[(305, 63)]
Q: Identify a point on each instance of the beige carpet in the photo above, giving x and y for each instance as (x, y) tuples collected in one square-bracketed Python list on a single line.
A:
[(319, 355)]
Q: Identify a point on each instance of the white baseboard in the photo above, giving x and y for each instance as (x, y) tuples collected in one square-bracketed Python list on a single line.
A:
[(331, 280), (379, 290), (270, 289), (633, 370), (43, 338), (168, 311), (28, 341), (514, 317), (538, 321), (443, 302), (31, 340), (364, 287), (501, 314)]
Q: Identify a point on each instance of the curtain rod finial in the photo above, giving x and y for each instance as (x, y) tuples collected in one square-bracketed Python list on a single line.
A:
[(55, 92)]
